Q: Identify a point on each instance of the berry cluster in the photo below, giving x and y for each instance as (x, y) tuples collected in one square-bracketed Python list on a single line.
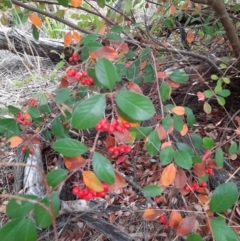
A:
[(88, 194), (20, 119), (116, 150), (195, 186), (74, 57), (209, 170), (26, 149), (82, 77), (67, 126), (33, 102), (163, 220), (103, 125)]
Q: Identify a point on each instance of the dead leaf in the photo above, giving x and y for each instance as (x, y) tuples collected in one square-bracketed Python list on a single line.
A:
[(67, 38), (199, 169), (200, 95), (107, 52), (92, 181), (35, 19), (174, 220), (180, 179), (134, 87), (165, 144), (162, 133), (162, 75), (120, 46), (184, 130), (172, 9), (102, 29), (186, 226), (110, 141), (125, 136), (168, 175), (203, 198), (119, 182), (15, 141), (151, 214), (190, 36), (123, 121), (64, 82), (74, 163), (172, 84), (76, 3), (206, 155), (76, 37), (27, 116), (178, 110)]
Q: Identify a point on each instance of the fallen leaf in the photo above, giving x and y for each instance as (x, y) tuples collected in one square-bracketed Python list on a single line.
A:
[(120, 46), (92, 181), (172, 84), (151, 214), (173, 9), (186, 226), (165, 144), (102, 29), (206, 155), (190, 36), (74, 163), (168, 175), (199, 169), (162, 133), (110, 141), (203, 198), (64, 82), (162, 75), (123, 121), (119, 182), (200, 95), (178, 110), (125, 136), (184, 130), (174, 220), (180, 179), (15, 141), (134, 87)]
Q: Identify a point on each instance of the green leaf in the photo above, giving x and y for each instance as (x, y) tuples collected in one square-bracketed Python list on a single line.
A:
[(140, 132), (221, 101), (167, 122), (106, 73), (58, 129), (63, 2), (194, 237), (33, 112), (207, 108), (55, 177), (226, 80), (35, 33), (191, 119), (165, 91), (224, 93), (153, 143), (103, 168), (62, 95), (179, 76), (90, 38), (16, 208), (152, 190), (214, 77), (185, 147), (219, 157), (114, 37), (127, 6), (221, 231), (223, 197), (183, 159), (135, 107), (197, 141), (93, 46), (208, 93), (101, 3), (117, 29), (233, 148), (166, 155), (9, 125), (69, 147), (208, 142), (196, 159), (145, 54), (177, 123), (43, 217), (59, 65), (13, 110), (87, 113)]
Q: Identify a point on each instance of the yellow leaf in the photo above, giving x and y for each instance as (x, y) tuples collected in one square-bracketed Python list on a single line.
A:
[(178, 110), (67, 38), (15, 141), (76, 37), (184, 130), (168, 175), (35, 19), (76, 3), (91, 181)]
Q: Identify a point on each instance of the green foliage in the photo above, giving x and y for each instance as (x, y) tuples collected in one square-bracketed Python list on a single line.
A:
[(152, 190), (55, 177), (153, 143)]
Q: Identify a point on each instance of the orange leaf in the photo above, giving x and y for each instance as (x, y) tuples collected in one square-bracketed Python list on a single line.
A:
[(181, 179), (200, 95), (172, 84), (174, 220), (168, 175), (15, 141), (151, 214), (237, 131), (76, 37), (172, 9), (119, 182), (110, 141), (64, 82), (76, 3), (162, 133), (93, 56), (91, 181), (165, 144), (73, 163), (134, 87), (102, 29), (190, 36), (206, 155), (132, 124), (186, 226), (199, 169), (162, 75), (184, 130), (35, 19), (68, 38), (27, 116), (178, 110), (203, 198), (120, 46), (107, 52)]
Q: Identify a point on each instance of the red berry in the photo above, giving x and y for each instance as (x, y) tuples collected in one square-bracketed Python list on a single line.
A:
[(105, 126), (167, 226), (101, 194), (75, 54), (114, 123), (105, 187), (70, 59), (157, 199), (187, 188), (99, 127), (210, 172), (127, 148), (116, 152), (127, 125), (31, 151), (88, 196), (110, 129), (75, 190), (22, 118), (104, 120), (91, 80), (78, 76), (18, 115), (80, 193), (121, 148), (85, 74), (24, 149), (71, 73), (111, 149), (203, 184)]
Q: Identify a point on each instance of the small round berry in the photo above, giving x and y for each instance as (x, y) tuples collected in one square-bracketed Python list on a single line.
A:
[(116, 152), (110, 129), (105, 187), (101, 194), (85, 74), (127, 125), (70, 59), (75, 59), (210, 172), (121, 148), (204, 184), (157, 199), (75, 54), (24, 149), (31, 151), (99, 127), (187, 188), (127, 148), (75, 190), (111, 149)]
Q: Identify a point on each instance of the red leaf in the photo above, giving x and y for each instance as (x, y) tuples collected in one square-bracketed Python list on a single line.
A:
[(73, 163), (68, 38), (200, 95), (181, 179), (199, 169), (134, 87), (186, 226), (120, 46), (123, 136), (107, 52), (119, 182), (174, 220), (206, 155)]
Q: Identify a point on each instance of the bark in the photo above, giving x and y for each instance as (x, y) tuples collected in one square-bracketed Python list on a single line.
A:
[(221, 11)]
